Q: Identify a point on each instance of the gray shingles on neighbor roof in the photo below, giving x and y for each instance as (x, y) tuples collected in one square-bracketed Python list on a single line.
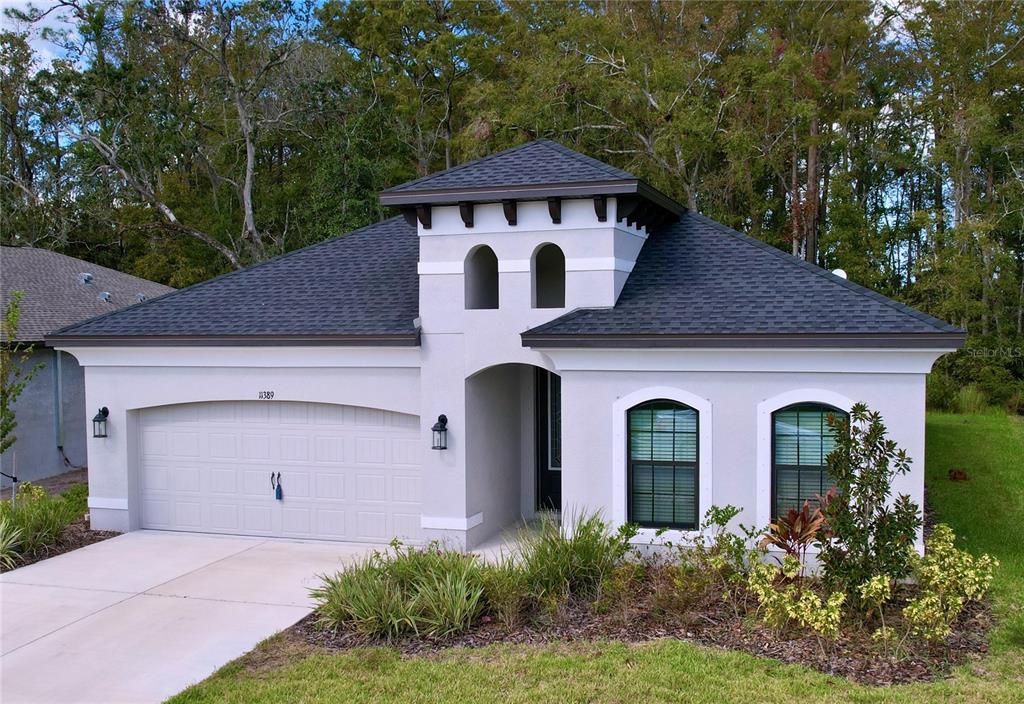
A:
[(696, 283), (536, 163), (54, 294), (361, 285), (700, 279)]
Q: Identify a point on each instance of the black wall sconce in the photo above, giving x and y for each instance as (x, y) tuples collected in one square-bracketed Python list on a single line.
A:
[(99, 423), (440, 432)]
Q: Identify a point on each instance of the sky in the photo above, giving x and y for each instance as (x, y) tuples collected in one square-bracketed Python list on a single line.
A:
[(45, 51)]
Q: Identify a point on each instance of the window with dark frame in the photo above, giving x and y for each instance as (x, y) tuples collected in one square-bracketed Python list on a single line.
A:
[(802, 440), (662, 466)]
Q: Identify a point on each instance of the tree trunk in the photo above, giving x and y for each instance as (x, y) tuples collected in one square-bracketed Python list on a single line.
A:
[(811, 215)]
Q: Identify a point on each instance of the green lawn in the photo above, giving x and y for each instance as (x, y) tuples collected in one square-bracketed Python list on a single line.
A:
[(987, 510)]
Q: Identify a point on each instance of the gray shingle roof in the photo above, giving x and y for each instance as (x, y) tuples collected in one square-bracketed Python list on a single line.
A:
[(361, 288), (54, 294), (700, 279), (541, 162)]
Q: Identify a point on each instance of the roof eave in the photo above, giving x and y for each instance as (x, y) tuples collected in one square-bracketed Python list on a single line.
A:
[(948, 341), (394, 340), (485, 194)]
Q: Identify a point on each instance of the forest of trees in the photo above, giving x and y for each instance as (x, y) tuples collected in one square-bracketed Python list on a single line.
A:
[(180, 139)]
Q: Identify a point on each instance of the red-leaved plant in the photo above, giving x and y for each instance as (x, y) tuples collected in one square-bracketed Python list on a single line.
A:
[(796, 531)]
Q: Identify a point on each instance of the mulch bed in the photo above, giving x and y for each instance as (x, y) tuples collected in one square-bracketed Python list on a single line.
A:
[(852, 655)]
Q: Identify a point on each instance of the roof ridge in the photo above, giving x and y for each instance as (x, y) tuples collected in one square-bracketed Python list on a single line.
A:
[(936, 323), (203, 284)]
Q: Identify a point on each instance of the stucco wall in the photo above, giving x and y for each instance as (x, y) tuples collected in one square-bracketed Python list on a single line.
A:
[(39, 431), (493, 461), (736, 415), (126, 380)]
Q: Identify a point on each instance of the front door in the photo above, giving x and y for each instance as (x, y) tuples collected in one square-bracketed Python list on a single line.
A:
[(549, 441)]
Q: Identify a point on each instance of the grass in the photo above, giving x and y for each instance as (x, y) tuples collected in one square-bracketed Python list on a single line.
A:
[(987, 510)]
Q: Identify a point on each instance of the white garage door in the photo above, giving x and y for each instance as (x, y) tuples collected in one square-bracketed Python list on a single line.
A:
[(347, 473)]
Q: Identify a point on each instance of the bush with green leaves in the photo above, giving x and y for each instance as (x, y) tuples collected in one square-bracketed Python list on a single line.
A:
[(784, 598), (941, 391), (571, 560), (721, 556), (868, 532), (428, 591), (948, 578)]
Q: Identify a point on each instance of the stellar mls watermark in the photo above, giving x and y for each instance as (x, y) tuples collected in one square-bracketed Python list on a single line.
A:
[(996, 352)]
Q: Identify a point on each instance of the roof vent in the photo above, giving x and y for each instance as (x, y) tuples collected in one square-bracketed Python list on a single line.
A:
[(85, 278), (840, 273), (104, 296), (140, 297)]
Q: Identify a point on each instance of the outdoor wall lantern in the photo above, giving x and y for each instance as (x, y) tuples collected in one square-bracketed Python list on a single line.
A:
[(99, 423), (440, 431)]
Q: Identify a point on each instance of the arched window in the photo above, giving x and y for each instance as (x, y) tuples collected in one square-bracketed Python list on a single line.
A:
[(481, 276), (662, 467), (549, 277), (802, 439)]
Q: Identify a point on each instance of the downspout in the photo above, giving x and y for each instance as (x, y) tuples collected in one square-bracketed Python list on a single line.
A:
[(58, 406)]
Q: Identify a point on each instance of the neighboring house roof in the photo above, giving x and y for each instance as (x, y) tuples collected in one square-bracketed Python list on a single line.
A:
[(698, 283), (361, 288), (535, 170), (59, 290)]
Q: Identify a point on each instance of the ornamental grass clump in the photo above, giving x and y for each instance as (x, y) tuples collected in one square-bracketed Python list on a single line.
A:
[(36, 521), (570, 561), (430, 591)]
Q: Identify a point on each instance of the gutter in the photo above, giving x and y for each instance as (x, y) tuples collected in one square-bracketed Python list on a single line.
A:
[(908, 341), (397, 340)]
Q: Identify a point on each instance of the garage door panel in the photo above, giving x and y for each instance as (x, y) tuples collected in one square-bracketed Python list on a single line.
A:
[(347, 473)]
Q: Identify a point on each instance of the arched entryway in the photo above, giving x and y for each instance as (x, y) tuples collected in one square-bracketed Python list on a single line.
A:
[(513, 443)]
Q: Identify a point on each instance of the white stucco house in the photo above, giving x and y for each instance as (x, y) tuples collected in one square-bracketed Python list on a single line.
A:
[(592, 344)]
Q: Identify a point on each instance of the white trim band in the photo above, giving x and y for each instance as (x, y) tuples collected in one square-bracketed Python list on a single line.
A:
[(101, 502), (451, 522)]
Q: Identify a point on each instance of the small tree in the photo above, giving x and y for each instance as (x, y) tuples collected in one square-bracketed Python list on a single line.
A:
[(15, 374), (867, 533)]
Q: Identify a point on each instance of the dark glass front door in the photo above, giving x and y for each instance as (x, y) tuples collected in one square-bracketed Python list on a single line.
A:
[(549, 440)]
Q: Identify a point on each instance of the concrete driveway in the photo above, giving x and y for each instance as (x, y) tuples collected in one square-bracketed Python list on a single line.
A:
[(140, 617)]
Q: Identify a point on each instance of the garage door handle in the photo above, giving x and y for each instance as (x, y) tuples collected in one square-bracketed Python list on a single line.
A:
[(278, 493)]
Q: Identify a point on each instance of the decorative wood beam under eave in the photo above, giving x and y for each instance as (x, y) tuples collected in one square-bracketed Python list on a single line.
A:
[(511, 209), (423, 215), (555, 210), (466, 213), (601, 208)]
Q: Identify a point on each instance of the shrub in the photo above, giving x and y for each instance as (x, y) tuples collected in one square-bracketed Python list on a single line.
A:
[(784, 599), (722, 555), (866, 534), (677, 588), (77, 495), (941, 391), (619, 590), (997, 384), (561, 565), (40, 518), (970, 399), (795, 532), (429, 591), (948, 578), (505, 592)]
